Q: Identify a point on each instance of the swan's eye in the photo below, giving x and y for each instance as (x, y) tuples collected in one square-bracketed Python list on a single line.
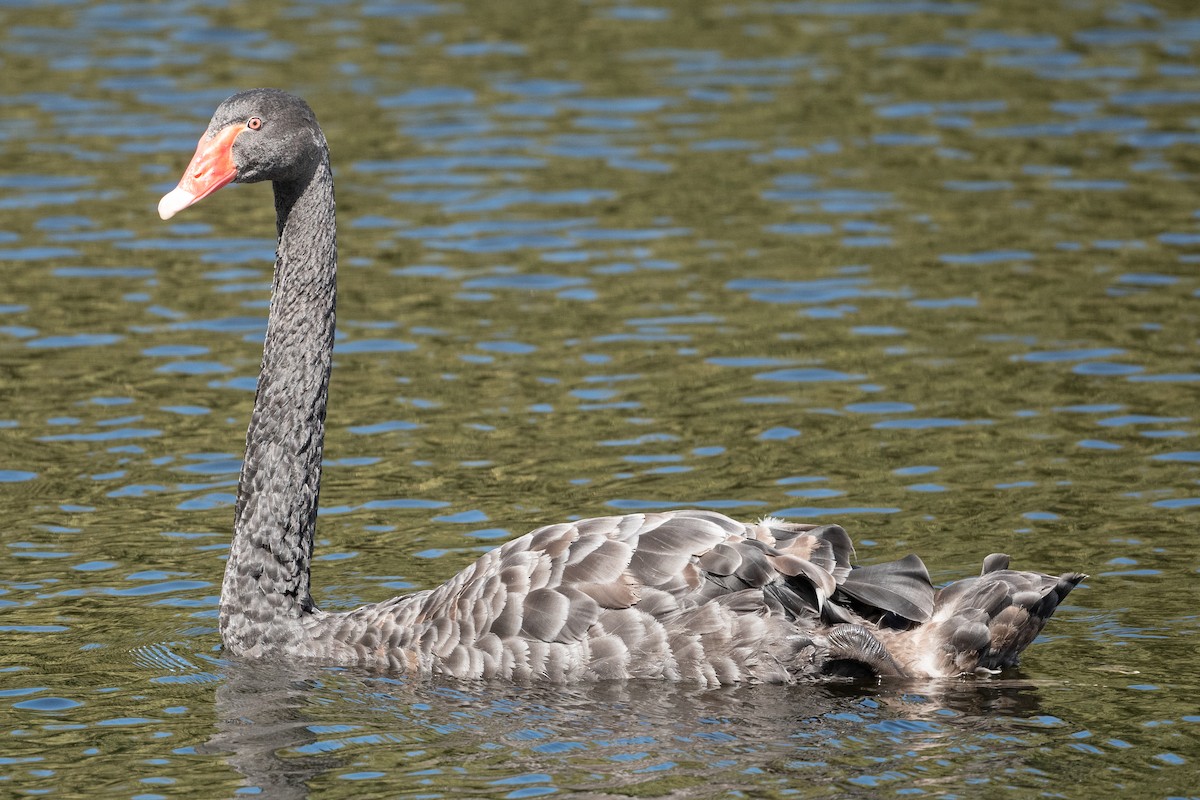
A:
[(254, 123)]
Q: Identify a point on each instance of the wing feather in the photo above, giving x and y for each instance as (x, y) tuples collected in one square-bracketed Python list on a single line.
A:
[(900, 587)]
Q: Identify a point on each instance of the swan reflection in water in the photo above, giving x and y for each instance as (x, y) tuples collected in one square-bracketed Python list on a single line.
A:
[(287, 729)]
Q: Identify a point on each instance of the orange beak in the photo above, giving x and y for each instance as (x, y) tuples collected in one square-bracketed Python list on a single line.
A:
[(212, 167)]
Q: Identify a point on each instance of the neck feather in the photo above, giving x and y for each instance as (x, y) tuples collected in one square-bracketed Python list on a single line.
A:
[(267, 576)]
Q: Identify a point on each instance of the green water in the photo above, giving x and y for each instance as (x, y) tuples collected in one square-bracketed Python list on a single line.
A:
[(926, 269)]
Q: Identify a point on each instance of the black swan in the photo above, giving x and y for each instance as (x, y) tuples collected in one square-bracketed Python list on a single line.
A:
[(680, 595)]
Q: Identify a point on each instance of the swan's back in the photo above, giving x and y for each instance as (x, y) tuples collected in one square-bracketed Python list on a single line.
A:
[(684, 595)]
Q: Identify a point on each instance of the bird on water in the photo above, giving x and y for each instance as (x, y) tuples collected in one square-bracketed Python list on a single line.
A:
[(687, 595)]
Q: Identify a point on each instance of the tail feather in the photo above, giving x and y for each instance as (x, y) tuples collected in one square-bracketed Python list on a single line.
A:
[(884, 619), (995, 562), (984, 623)]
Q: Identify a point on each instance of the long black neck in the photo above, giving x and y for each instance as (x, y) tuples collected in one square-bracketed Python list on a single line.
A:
[(267, 575)]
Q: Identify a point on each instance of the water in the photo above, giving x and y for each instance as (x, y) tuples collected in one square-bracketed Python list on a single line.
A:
[(928, 269)]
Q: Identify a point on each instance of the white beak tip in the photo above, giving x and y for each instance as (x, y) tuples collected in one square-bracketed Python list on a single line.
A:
[(174, 201)]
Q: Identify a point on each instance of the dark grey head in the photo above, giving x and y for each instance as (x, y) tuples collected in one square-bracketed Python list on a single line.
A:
[(281, 140), (256, 135)]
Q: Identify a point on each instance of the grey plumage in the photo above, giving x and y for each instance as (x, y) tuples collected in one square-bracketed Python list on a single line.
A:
[(899, 587), (681, 595)]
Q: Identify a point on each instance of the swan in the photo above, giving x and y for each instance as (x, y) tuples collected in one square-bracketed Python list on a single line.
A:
[(687, 595)]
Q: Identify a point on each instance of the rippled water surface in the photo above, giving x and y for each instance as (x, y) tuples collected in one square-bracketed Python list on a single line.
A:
[(925, 268)]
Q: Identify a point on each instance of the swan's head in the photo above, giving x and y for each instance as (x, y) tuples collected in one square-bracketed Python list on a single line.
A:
[(257, 135)]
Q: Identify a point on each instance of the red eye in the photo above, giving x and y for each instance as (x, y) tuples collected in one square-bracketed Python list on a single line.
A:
[(254, 123)]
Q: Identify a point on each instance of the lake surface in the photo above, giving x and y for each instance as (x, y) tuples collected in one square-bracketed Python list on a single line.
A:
[(927, 269)]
